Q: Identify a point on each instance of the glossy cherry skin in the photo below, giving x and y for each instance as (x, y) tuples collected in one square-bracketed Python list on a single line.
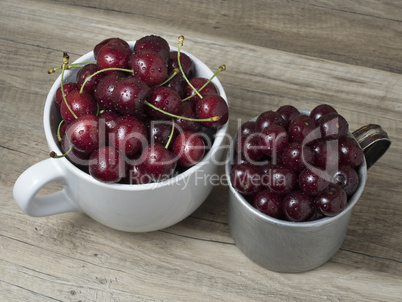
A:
[(157, 162), (312, 183), (300, 129), (135, 175), (80, 104), (159, 131), (332, 201), (350, 152), (107, 41), (104, 90), (129, 135), (280, 180), (178, 84), (67, 87), (86, 72), (186, 63), (246, 128), (268, 203), (83, 133), (211, 106), (165, 99), (189, 147), (326, 155), (347, 178), (249, 148), (268, 118), (273, 139), (78, 158), (246, 179), (197, 83), (154, 43), (287, 112), (149, 67), (321, 110), (107, 123), (187, 110), (295, 156), (129, 96), (333, 126), (113, 55), (107, 165), (298, 206)]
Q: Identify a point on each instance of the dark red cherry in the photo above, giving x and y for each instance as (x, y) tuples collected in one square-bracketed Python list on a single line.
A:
[(104, 90), (198, 83), (113, 55), (288, 112), (80, 104), (165, 99), (187, 64), (297, 157), (213, 106), (298, 206), (78, 158), (107, 41), (187, 110), (246, 128), (326, 155), (268, 118), (301, 129), (129, 96), (107, 123), (332, 201), (347, 178), (249, 147), (159, 131), (157, 162), (135, 175), (268, 203), (86, 72), (153, 43), (148, 66), (189, 147), (333, 126), (83, 133), (107, 165), (350, 152), (178, 84), (67, 87), (280, 180), (246, 179), (129, 135), (321, 110), (273, 139), (312, 183)]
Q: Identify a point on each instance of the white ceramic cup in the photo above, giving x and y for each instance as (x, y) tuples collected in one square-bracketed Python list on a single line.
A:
[(134, 208), (286, 246)]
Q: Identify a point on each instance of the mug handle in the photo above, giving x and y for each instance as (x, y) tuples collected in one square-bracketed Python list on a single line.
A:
[(32, 180), (374, 142)]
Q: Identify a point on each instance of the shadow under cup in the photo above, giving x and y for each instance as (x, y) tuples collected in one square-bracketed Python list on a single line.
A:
[(133, 208), (285, 246)]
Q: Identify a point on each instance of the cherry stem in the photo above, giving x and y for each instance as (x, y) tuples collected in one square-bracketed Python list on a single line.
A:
[(74, 65), (100, 71), (58, 131), (221, 68), (181, 39), (63, 68), (54, 155), (210, 119), (171, 135), (175, 72)]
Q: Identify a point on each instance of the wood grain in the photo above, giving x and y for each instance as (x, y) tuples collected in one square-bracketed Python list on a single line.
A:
[(301, 53)]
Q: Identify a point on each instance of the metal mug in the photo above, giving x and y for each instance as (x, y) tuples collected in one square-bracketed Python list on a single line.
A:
[(285, 246)]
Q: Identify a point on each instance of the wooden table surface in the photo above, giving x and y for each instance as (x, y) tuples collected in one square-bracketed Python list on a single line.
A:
[(304, 53)]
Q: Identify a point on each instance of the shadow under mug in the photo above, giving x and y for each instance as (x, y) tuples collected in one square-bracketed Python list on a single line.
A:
[(133, 208), (285, 246)]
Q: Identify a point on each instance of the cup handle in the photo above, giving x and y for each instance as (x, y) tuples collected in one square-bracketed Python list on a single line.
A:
[(374, 142), (32, 180)]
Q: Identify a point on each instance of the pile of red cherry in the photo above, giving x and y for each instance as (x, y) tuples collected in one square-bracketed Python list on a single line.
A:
[(294, 166), (137, 115)]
